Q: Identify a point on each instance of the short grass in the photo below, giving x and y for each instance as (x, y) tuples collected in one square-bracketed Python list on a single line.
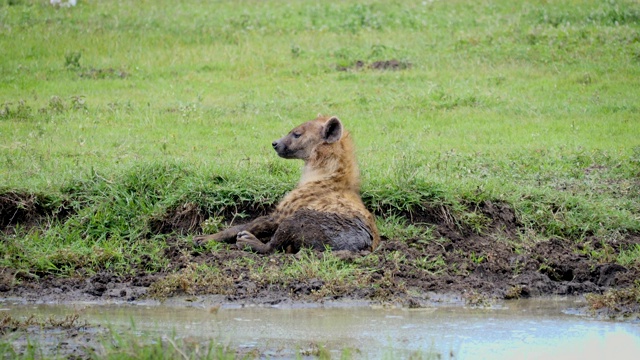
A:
[(125, 110)]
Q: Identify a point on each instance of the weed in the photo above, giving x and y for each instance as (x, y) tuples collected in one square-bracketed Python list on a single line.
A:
[(476, 258), (190, 280), (11, 324), (78, 102), (625, 302), (514, 292), (394, 226), (212, 225), (296, 51), (56, 105), (476, 221), (72, 60), (19, 111), (434, 266), (630, 256), (475, 299), (310, 265), (601, 252)]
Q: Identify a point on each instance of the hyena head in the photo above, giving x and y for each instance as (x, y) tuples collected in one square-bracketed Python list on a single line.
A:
[(302, 141)]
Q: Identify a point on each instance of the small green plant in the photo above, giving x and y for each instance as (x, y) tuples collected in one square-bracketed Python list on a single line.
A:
[(603, 253), (119, 346), (296, 51), (212, 225), (326, 266), (72, 60), (477, 258), (9, 323), (475, 299), (476, 221), (617, 302), (194, 278), (78, 102), (514, 292), (397, 227), (629, 256), (434, 265), (21, 111)]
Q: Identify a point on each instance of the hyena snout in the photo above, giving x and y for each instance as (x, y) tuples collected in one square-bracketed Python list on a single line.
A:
[(280, 148)]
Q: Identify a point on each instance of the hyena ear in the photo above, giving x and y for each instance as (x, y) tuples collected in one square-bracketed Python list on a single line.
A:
[(332, 130)]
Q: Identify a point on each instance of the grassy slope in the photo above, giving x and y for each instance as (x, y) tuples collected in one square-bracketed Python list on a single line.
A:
[(534, 104)]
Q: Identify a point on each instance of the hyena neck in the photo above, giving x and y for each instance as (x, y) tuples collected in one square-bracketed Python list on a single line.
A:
[(333, 165)]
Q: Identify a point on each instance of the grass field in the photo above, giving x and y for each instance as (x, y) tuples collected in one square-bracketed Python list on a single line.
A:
[(120, 111)]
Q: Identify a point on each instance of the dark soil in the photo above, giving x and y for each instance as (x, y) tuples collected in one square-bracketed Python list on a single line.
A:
[(392, 64), (477, 267), (27, 210)]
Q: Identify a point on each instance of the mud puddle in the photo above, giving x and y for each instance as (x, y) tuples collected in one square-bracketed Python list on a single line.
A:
[(540, 328)]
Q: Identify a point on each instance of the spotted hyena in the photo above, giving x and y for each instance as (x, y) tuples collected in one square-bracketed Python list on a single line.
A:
[(325, 209)]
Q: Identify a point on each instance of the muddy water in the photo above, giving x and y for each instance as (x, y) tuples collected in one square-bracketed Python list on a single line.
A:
[(529, 329)]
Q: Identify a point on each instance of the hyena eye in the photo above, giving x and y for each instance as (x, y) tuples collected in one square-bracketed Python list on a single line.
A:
[(296, 135)]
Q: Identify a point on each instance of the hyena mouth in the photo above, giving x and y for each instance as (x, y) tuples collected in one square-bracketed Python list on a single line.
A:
[(281, 149)]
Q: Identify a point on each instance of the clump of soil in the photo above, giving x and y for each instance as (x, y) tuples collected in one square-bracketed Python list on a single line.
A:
[(392, 64)]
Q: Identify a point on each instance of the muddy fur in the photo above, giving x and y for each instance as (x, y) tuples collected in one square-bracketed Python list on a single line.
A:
[(318, 230)]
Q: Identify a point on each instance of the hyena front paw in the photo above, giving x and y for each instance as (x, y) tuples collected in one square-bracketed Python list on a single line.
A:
[(247, 241), (245, 235)]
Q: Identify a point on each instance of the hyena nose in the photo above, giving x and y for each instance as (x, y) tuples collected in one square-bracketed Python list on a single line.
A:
[(274, 144)]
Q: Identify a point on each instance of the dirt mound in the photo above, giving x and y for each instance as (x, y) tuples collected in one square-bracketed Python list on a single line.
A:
[(392, 65), (27, 209)]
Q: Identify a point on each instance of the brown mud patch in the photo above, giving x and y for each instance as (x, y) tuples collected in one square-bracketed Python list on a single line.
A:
[(457, 260), (393, 65)]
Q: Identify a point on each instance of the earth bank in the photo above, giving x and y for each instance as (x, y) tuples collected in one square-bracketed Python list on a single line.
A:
[(477, 264)]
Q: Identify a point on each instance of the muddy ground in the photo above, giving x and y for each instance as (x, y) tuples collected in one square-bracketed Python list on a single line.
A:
[(476, 267)]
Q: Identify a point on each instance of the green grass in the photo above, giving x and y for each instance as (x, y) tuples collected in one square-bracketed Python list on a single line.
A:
[(123, 111)]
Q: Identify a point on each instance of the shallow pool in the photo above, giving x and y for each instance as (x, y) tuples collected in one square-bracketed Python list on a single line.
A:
[(523, 329)]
